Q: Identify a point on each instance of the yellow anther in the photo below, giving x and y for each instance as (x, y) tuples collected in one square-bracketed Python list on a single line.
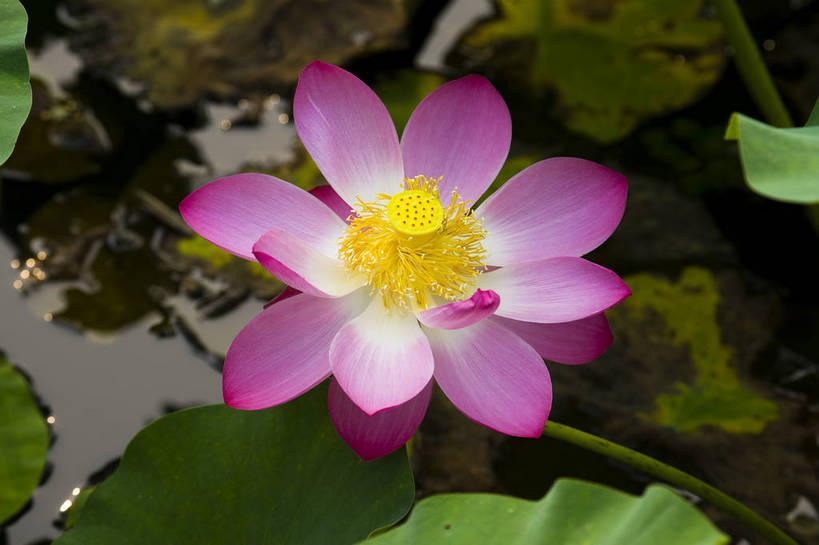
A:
[(413, 250), (415, 212)]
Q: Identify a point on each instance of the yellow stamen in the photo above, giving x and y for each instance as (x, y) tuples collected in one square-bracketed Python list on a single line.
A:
[(410, 259)]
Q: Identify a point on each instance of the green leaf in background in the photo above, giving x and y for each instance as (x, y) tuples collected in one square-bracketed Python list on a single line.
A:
[(402, 92), (813, 118), (572, 513), (77, 505), (611, 63), (219, 475), (23, 441), (781, 164), (15, 90)]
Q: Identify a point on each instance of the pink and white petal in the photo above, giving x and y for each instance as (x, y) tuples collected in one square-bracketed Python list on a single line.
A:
[(558, 207), (329, 197), (348, 132), (374, 436), (461, 313), (493, 377), (233, 212), (560, 289), (286, 293), (572, 343), (285, 350), (300, 266), (381, 358), (460, 131)]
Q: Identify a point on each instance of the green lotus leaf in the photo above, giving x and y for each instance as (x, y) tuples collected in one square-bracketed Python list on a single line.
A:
[(23, 441), (73, 513), (15, 90), (219, 475), (572, 513), (781, 164), (610, 63)]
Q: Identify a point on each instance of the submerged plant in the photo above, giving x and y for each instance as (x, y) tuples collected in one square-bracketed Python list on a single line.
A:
[(400, 279)]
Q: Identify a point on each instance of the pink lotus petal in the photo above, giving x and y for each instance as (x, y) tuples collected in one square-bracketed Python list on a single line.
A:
[(557, 207), (286, 293), (461, 313), (571, 343), (329, 197), (461, 131), (284, 351), (374, 436), (561, 289), (493, 377), (233, 212), (300, 266), (381, 358), (348, 132)]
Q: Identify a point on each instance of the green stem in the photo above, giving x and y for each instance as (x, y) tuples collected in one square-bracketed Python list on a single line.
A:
[(751, 67), (671, 475)]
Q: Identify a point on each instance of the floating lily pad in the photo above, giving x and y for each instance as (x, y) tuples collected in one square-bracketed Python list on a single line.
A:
[(122, 293), (187, 49), (781, 164), (572, 513), (611, 63), (73, 513), (24, 442), (15, 91), (219, 475), (64, 131), (716, 397)]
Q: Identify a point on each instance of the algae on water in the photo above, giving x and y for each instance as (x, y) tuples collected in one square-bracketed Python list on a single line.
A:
[(716, 397)]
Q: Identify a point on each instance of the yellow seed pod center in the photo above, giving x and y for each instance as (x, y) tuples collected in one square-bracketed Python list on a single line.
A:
[(415, 212)]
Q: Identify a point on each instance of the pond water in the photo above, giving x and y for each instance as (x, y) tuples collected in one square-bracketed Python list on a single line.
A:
[(122, 317)]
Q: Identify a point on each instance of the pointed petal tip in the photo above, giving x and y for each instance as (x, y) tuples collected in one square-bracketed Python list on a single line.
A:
[(347, 131), (360, 348), (458, 314), (284, 350), (234, 211), (375, 409), (461, 131), (561, 206), (372, 437), (476, 79), (570, 343), (317, 65), (368, 454), (555, 290), (625, 292)]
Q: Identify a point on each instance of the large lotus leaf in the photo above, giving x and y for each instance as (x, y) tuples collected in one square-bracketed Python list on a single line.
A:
[(611, 62), (781, 164), (219, 475), (572, 513), (23, 441), (15, 91)]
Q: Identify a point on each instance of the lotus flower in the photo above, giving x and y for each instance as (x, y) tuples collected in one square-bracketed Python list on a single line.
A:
[(399, 281)]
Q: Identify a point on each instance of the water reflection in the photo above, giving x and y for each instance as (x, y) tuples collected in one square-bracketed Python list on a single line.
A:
[(100, 394)]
